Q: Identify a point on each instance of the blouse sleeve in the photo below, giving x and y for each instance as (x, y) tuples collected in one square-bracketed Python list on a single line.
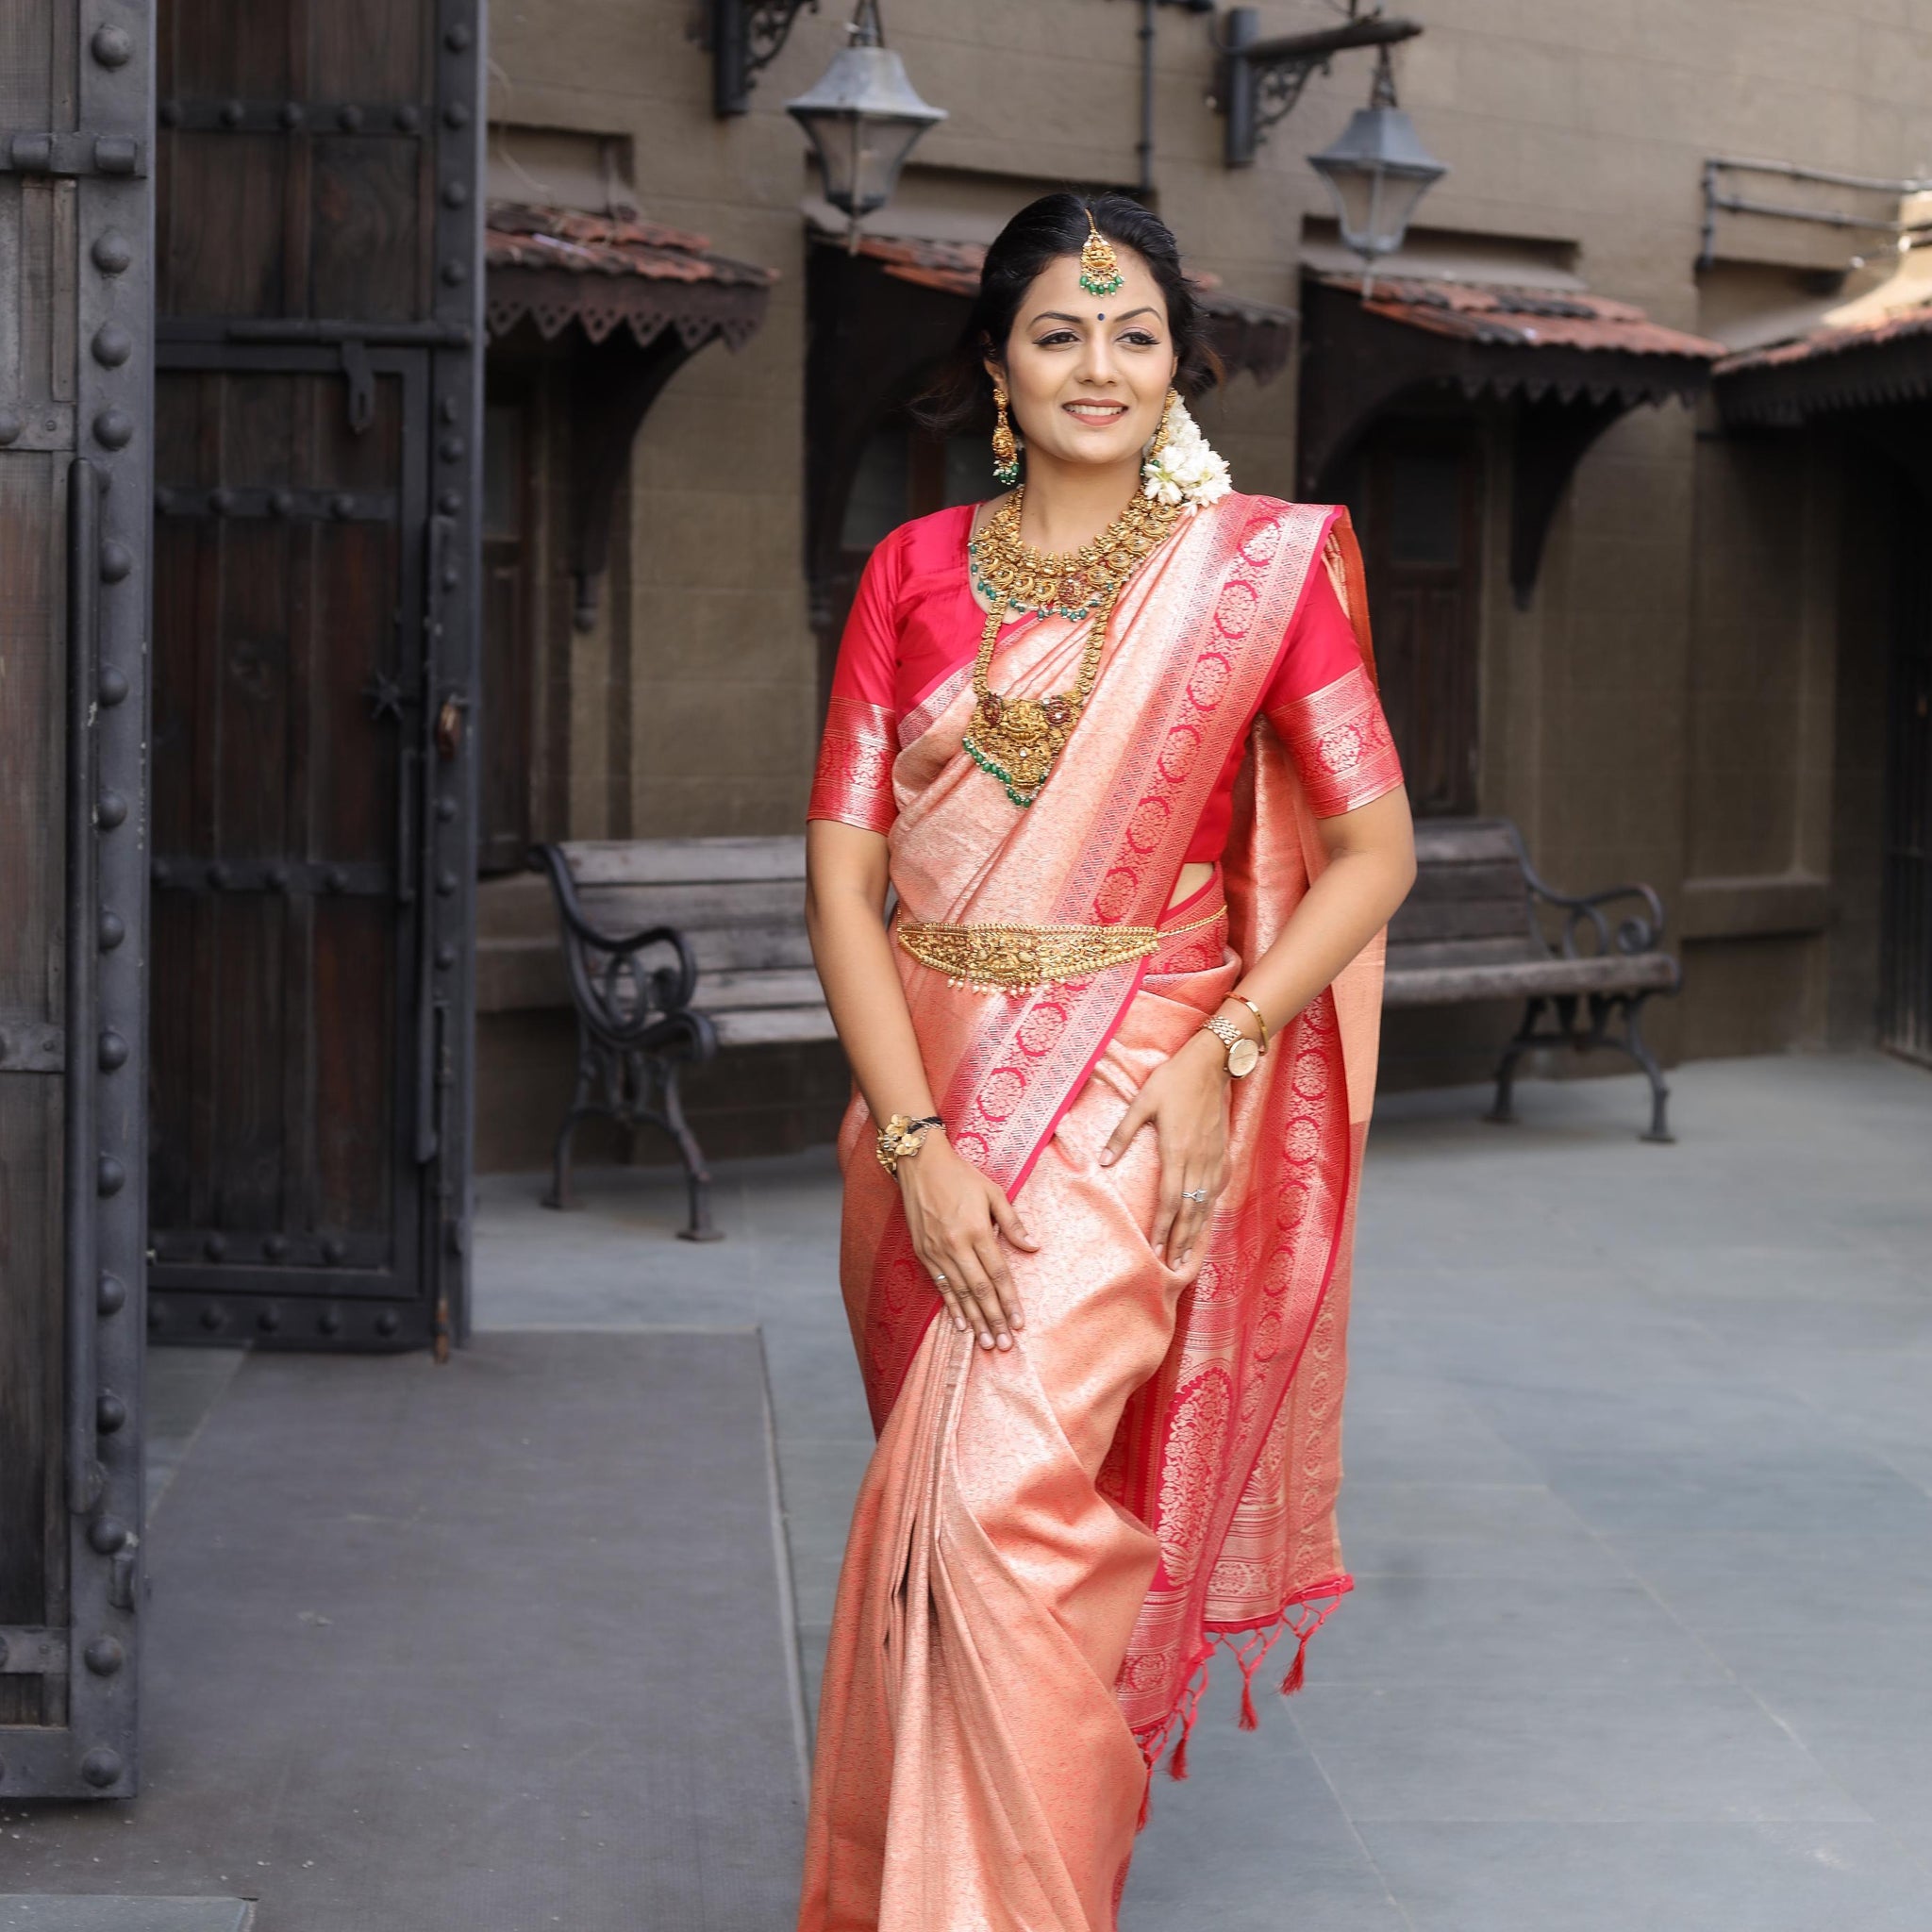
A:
[(1322, 703), (853, 781)]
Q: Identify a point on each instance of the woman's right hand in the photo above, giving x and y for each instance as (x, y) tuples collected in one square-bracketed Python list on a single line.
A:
[(957, 1217)]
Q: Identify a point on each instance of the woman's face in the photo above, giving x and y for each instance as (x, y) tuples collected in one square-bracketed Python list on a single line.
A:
[(1086, 375)]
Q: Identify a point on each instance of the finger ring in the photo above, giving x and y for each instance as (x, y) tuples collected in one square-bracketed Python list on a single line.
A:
[(939, 1281), (1193, 1193)]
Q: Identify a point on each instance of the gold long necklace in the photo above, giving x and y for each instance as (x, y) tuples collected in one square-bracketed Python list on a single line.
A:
[(1017, 740)]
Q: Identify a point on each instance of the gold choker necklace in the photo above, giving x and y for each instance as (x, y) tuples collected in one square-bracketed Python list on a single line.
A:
[(1017, 740)]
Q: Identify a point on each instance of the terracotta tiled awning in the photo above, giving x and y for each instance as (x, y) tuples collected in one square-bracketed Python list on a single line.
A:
[(1565, 364), (557, 267), (1251, 338), (1857, 365), (1632, 351)]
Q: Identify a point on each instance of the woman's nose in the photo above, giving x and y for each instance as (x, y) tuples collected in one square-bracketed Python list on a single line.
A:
[(1096, 362)]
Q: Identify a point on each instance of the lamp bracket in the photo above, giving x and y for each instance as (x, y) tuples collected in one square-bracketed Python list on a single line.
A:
[(746, 37), (1262, 80)]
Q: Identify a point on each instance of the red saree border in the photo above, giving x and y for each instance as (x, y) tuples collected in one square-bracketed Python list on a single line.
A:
[(853, 780), (1154, 1736), (1340, 743)]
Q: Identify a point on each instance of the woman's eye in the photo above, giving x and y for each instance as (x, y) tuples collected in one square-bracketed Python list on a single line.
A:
[(1140, 338), (1056, 339)]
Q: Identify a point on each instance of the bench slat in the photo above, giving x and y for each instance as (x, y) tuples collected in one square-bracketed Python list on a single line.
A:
[(1448, 985), (1437, 881), (1464, 841), (1430, 954), (683, 861), (748, 949), (722, 992), (774, 1025), (1455, 919), (694, 907)]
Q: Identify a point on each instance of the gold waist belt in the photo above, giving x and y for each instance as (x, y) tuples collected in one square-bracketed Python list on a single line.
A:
[(1015, 958)]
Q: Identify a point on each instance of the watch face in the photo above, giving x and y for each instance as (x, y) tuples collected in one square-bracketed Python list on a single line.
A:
[(1241, 1058)]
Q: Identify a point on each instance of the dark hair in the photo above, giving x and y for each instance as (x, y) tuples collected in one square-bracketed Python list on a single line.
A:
[(1040, 234)]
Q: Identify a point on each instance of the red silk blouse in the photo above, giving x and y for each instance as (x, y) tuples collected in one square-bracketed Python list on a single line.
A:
[(915, 622)]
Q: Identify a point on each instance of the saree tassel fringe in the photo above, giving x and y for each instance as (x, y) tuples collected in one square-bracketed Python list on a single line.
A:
[(1189, 1709), (1293, 1682), (1251, 1655), (1250, 1651)]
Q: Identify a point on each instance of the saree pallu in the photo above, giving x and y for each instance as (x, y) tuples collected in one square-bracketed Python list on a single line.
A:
[(1051, 1542)]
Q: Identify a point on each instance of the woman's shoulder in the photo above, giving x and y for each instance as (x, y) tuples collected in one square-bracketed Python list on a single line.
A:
[(925, 542)]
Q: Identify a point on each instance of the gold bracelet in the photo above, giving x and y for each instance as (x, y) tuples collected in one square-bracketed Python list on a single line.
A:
[(1260, 1018), (902, 1136)]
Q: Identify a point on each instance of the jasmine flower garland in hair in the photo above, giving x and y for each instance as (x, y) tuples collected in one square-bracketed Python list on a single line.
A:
[(1185, 467)]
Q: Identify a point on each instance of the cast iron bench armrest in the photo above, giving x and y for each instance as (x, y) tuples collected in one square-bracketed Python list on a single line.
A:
[(735, 904), (1632, 934), (670, 992), (1475, 927)]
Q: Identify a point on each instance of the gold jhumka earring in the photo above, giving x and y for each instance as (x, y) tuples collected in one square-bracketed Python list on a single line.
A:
[(1100, 268), (1006, 447)]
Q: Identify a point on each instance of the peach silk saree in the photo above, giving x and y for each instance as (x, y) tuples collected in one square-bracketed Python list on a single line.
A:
[(1050, 1543)]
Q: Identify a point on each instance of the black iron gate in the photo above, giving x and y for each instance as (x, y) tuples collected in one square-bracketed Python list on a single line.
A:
[(318, 432), (75, 275), (1904, 996)]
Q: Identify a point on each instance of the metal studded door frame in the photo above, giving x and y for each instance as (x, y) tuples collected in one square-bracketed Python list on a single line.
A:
[(85, 1652)]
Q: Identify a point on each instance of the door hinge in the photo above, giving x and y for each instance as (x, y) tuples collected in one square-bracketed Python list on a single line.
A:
[(72, 154), (26, 1650)]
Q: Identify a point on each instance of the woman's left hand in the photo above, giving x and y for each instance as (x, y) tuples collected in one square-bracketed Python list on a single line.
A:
[(1185, 1098)]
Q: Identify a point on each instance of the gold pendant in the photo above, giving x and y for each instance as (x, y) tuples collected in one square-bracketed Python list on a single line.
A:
[(1017, 740)]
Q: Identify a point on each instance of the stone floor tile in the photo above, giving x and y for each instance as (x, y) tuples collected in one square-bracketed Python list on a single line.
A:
[(1820, 1491), (1534, 1634), (1258, 1814), (1504, 1530), (1470, 1749), (1780, 1877)]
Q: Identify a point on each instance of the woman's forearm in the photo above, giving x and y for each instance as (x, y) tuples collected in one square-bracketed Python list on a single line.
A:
[(854, 956), (1359, 890), (1342, 911)]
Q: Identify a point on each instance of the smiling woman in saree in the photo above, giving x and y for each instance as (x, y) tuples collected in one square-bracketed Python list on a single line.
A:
[(1114, 742)]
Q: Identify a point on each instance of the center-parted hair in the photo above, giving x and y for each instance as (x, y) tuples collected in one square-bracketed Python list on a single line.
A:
[(1039, 235)]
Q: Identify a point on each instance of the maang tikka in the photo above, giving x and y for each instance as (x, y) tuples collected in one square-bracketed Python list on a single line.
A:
[(1006, 447), (1100, 268)]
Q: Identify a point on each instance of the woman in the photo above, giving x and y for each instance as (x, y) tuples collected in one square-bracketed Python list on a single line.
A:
[(1126, 772)]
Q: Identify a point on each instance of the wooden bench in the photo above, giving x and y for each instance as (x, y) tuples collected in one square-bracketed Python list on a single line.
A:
[(1473, 928), (676, 947)]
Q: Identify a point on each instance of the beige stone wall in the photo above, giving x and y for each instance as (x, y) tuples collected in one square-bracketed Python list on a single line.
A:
[(1663, 711)]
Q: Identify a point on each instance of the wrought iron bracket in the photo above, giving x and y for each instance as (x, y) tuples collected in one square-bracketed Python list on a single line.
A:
[(746, 37), (1261, 80)]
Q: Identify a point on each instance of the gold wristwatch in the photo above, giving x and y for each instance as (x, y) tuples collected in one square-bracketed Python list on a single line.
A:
[(1244, 1056), (903, 1135)]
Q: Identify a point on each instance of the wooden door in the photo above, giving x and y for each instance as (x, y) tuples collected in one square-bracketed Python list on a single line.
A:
[(1414, 490), (289, 606), (318, 456), (75, 363), (1904, 997)]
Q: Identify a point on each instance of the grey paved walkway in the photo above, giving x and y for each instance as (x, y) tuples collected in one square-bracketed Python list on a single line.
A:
[(424, 1653), (1640, 1505)]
